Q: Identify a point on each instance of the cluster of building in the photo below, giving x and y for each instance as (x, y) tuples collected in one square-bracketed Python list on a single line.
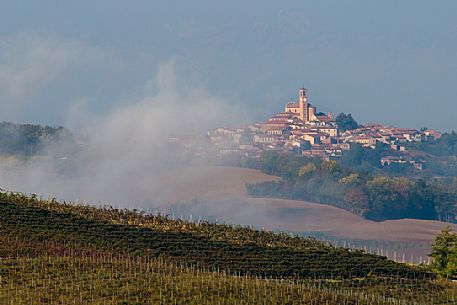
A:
[(300, 129)]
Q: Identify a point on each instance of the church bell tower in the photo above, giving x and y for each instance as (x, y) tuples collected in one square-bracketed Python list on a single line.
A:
[(303, 104)]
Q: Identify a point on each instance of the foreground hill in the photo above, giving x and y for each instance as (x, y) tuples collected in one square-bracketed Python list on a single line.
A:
[(215, 246), (106, 278), (123, 280), (56, 253)]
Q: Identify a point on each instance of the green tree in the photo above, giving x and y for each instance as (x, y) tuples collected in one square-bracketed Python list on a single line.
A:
[(306, 169), (351, 179), (268, 162), (329, 166), (444, 254), (346, 122)]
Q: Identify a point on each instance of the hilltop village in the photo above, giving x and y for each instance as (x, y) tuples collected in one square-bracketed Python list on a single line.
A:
[(300, 129)]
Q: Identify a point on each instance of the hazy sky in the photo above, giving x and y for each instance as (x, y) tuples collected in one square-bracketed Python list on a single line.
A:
[(386, 61)]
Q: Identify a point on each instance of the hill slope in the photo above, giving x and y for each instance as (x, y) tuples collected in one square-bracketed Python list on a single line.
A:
[(215, 246), (58, 253)]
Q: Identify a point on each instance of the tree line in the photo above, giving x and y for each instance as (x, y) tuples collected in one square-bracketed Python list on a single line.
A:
[(376, 197), (28, 139)]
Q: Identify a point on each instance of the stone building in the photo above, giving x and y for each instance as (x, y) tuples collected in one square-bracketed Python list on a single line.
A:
[(303, 110)]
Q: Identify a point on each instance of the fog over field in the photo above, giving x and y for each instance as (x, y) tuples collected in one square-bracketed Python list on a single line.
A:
[(127, 150), (126, 161)]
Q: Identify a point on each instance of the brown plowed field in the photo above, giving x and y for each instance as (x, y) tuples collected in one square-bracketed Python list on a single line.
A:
[(220, 191)]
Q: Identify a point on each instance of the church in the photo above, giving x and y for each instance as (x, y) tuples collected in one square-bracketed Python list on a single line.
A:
[(302, 115), (303, 110)]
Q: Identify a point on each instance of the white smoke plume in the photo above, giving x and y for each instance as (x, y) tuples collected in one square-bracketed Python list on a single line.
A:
[(126, 152)]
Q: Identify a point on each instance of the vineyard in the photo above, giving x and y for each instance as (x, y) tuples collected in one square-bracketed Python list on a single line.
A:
[(54, 253), (109, 279)]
